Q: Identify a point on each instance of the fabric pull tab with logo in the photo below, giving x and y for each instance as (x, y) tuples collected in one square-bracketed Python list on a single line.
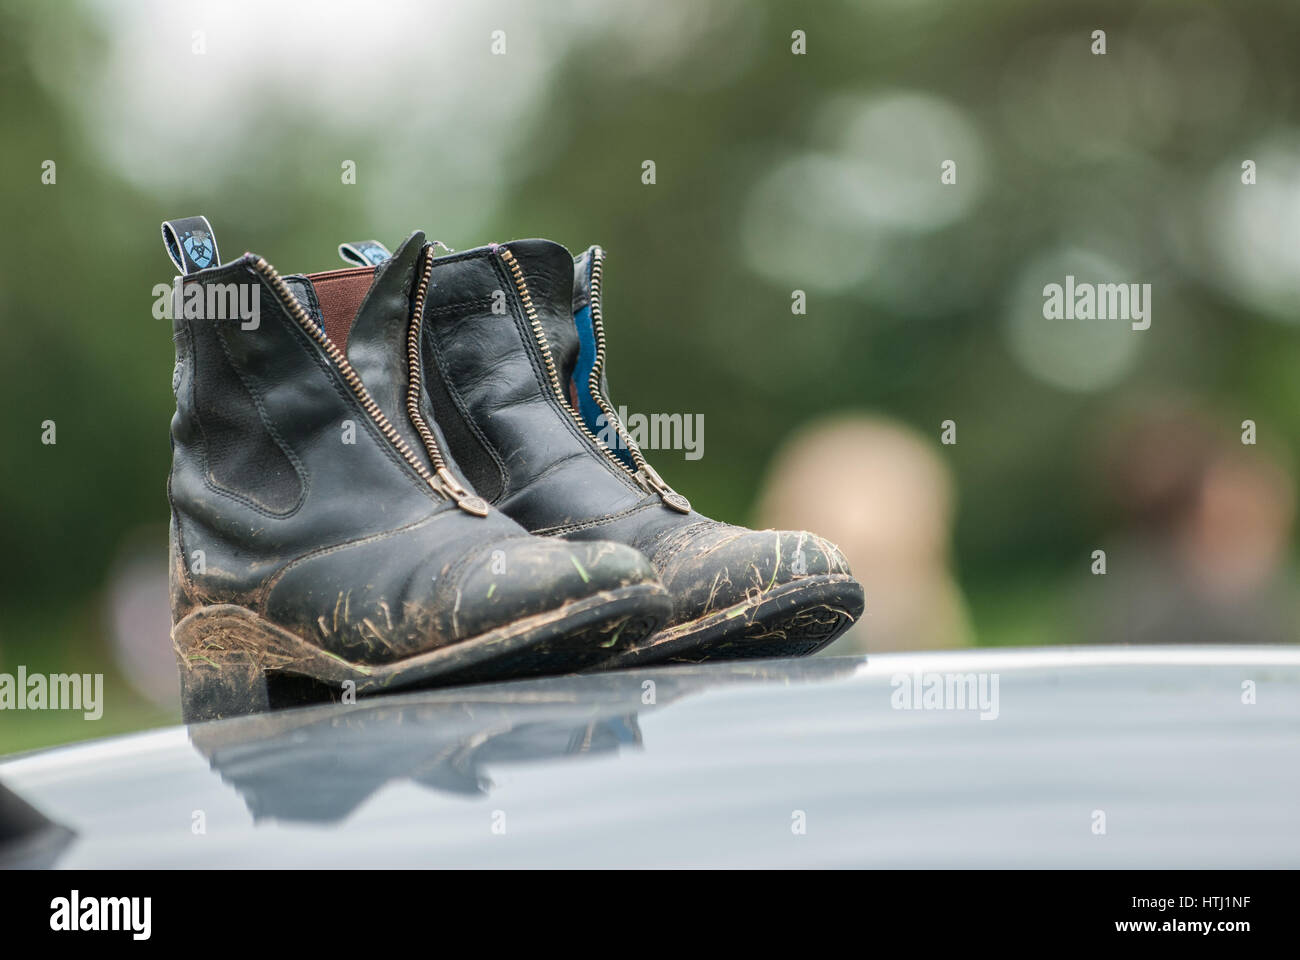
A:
[(191, 244), (364, 253)]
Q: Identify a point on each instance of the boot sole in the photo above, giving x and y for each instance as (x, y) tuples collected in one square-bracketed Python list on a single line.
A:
[(233, 662), (794, 620)]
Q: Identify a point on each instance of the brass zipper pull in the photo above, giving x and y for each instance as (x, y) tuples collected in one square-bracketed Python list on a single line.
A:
[(471, 503), (650, 480)]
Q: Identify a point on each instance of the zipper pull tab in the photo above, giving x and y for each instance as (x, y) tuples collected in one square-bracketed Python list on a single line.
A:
[(469, 502), (649, 478)]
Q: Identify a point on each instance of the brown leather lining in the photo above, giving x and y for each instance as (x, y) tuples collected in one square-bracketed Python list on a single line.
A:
[(340, 293)]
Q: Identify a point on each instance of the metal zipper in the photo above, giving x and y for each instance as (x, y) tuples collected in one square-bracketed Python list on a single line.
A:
[(350, 377), (469, 502), (645, 475), (652, 480)]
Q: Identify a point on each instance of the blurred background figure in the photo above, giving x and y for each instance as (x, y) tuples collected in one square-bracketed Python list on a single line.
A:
[(882, 493), (1202, 549), (138, 618)]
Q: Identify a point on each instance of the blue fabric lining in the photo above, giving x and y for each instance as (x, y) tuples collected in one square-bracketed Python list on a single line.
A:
[(582, 372), (587, 407)]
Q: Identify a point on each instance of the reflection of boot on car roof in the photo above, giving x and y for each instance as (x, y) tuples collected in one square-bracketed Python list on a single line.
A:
[(320, 764)]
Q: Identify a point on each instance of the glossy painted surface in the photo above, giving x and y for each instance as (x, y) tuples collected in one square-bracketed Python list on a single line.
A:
[(721, 766)]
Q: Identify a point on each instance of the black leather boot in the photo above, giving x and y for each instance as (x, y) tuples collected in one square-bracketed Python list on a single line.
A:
[(513, 353), (316, 543)]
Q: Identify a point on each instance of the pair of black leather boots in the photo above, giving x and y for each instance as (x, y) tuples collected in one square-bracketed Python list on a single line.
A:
[(402, 473)]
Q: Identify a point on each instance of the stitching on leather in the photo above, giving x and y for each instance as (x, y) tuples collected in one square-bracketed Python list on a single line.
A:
[(457, 306), (208, 482), (263, 593), (470, 557), (567, 528), (181, 335), (673, 540), (187, 582), (303, 483), (459, 402), (554, 467)]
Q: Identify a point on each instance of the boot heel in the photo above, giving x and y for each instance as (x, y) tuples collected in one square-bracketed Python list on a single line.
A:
[(222, 653)]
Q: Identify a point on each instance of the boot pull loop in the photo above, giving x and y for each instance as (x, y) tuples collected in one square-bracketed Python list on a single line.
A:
[(191, 244), (371, 253), (364, 253)]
